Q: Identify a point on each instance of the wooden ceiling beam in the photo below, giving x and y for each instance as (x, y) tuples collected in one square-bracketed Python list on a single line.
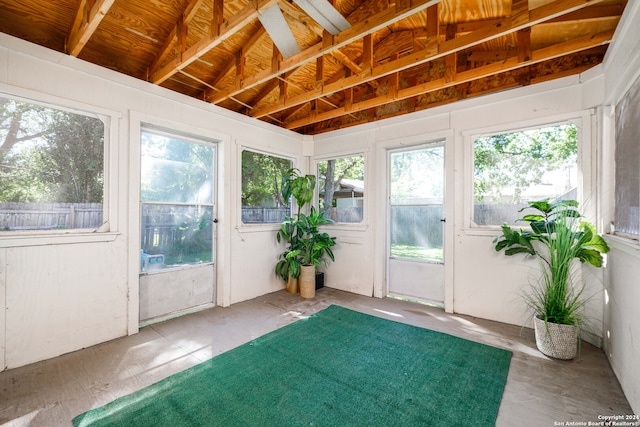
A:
[(217, 18), (169, 42), (88, 16), (490, 55), (524, 44), (299, 15), (592, 12), (438, 50), (540, 55), (346, 61), (357, 31), (240, 20), (248, 46)]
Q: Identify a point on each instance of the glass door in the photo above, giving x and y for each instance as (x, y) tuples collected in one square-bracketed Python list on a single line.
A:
[(416, 223), (177, 225)]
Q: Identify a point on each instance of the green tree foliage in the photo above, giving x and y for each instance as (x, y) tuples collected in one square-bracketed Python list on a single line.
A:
[(519, 160), (48, 155), (175, 170), (417, 173), (262, 179), (74, 154), (332, 172)]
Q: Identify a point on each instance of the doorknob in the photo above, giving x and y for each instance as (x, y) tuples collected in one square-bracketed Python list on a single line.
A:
[(443, 220), (215, 220)]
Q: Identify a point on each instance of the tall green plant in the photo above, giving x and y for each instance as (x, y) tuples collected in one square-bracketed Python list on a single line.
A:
[(306, 244), (313, 245), (556, 238), (299, 186)]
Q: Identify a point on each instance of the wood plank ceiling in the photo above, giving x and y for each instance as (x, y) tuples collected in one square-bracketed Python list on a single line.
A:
[(398, 56)]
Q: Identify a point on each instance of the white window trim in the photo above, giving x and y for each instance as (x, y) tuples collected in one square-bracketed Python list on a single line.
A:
[(241, 227), (355, 226), (110, 226), (586, 168), (194, 138)]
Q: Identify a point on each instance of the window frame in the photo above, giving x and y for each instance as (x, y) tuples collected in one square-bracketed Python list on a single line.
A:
[(355, 226), (585, 181), (316, 195), (109, 229), (257, 226), (192, 138), (632, 92)]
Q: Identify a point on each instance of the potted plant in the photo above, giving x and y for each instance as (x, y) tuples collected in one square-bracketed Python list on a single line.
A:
[(557, 237), (312, 248), (292, 229)]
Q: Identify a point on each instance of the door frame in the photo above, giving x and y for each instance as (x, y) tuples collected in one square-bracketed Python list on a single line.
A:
[(447, 139), (137, 120)]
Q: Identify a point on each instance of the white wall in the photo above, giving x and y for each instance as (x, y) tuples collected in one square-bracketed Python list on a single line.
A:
[(621, 321), (63, 293), (85, 306), (479, 281)]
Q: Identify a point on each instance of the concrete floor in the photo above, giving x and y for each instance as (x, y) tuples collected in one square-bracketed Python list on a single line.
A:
[(539, 391)]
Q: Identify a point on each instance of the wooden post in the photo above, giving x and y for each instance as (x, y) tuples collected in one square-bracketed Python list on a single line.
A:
[(72, 216)]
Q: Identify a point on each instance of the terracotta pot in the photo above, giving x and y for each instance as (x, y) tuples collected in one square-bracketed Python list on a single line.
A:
[(556, 340), (307, 281)]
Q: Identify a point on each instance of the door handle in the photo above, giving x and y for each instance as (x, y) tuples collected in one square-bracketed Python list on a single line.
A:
[(443, 220)]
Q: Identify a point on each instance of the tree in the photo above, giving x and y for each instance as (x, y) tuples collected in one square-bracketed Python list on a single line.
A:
[(75, 158), (175, 170), (332, 172), (49, 155), (519, 160), (417, 174), (262, 179)]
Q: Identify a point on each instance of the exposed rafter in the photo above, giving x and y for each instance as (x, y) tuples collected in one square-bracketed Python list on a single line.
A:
[(227, 29), (180, 28), (387, 17), (435, 50), (572, 46), (397, 56), (88, 17)]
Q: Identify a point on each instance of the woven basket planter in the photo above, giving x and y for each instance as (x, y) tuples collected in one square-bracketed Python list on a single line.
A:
[(556, 340), (307, 281)]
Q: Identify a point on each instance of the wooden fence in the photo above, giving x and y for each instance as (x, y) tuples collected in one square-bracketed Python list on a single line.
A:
[(49, 216), (263, 215)]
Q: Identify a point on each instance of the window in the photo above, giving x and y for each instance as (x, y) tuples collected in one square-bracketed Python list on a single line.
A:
[(261, 188), (513, 168), (341, 188), (627, 184), (51, 168), (177, 200)]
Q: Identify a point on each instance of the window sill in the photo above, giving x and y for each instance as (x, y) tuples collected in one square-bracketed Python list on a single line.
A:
[(21, 240), (626, 245), (274, 227), (257, 228), (489, 231)]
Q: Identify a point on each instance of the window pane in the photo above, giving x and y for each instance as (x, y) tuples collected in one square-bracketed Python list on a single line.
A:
[(51, 168), (627, 186), (417, 204), (261, 188), (177, 195), (175, 235), (514, 168), (341, 188), (175, 169)]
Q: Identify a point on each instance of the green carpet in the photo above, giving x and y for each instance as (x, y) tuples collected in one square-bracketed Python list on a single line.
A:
[(336, 368)]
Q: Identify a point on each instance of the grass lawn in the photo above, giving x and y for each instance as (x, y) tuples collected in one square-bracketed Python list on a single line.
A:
[(193, 258), (416, 252)]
